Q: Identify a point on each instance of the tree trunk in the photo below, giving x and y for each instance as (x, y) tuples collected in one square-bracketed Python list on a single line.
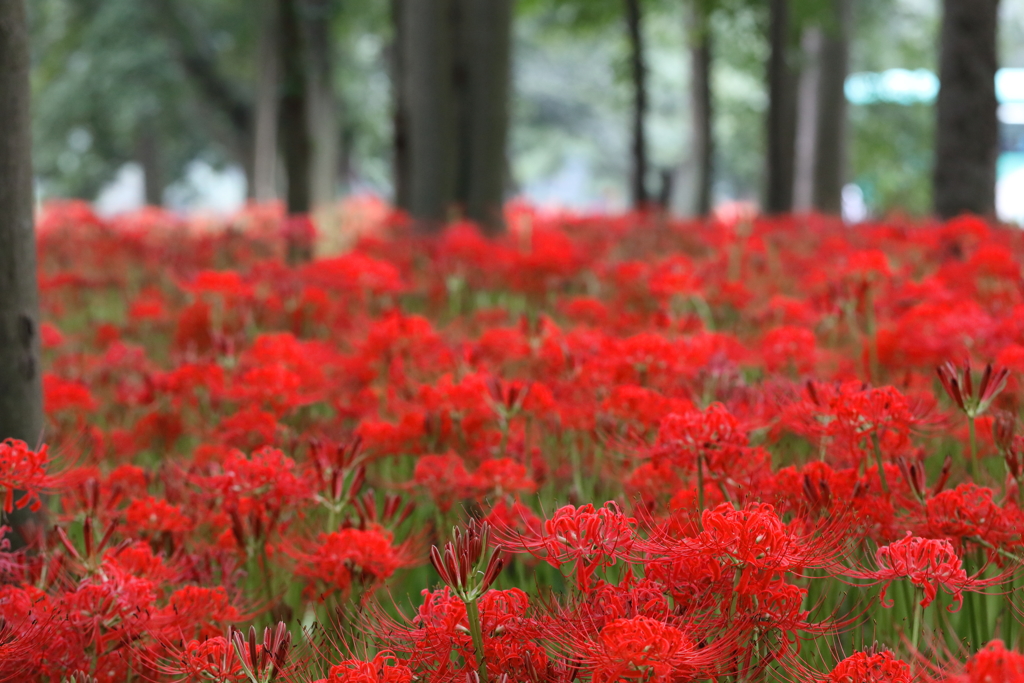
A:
[(264, 175), (323, 103), (638, 72), (807, 105), (781, 114), (147, 154), (399, 108), (830, 145), (485, 69), (702, 106), (294, 125), (21, 397), (427, 80), (967, 133)]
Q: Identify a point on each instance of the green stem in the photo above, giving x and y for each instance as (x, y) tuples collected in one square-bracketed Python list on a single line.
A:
[(1007, 613), (975, 627), (473, 615), (971, 465), (503, 447), (872, 334), (878, 459), (332, 518), (916, 636), (999, 551)]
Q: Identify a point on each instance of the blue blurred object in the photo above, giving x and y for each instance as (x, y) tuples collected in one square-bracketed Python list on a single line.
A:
[(920, 86)]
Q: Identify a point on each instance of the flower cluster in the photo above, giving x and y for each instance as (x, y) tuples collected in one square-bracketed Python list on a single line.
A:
[(597, 449)]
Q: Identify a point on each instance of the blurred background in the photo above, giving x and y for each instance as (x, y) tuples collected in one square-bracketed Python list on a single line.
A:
[(193, 104)]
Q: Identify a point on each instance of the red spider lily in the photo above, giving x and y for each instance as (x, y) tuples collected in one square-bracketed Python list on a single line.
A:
[(969, 512), (959, 385), (149, 516), (384, 668), (928, 564), (339, 471), (211, 659), (991, 664), (263, 662), (197, 610), (754, 542), (368, 556), (467, 565), (438, 641), (503, 476), (871, 667), (643, 649), (22, 469), (507, 399), (592, 538), (444, 477), (391, 514)]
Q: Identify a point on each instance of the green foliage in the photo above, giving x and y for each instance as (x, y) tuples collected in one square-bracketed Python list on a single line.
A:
[(892, 156), (101, 74)]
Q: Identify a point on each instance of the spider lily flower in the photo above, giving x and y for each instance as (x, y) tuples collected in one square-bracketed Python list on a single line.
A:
[(871, 666), (467, 564), (262, 662), (958, 383), (928, 564), (23, 469)]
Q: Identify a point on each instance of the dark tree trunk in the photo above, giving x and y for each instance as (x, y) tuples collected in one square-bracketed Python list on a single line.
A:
[(967, 134), (483, 74), (808, 105), (294, 124), (427, 81), (452, 77), (264, 174), (21, 399), (399, 108), (830, 145), (702, 106), (781, 113), (147, 154), (638, 73), (323, 103)]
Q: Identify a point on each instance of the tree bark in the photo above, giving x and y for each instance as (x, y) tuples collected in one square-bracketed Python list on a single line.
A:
[(485, 63), (781, 113), (808, 105), (264, 174), (399, 108), (293, 123), (21, 396), (427, 81), (830, 145), (323, 103), (967, 132), (702, 106), (638, 71)]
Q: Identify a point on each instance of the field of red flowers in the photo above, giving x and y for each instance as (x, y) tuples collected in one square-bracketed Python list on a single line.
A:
[(601, 449)]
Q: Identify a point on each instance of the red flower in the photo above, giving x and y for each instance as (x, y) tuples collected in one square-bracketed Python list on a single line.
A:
[(343, 556), (22, 469), (867, 667), (929, 564), (152, 515), (995, 664), (591, 537), (384, 668), (642, 649)]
